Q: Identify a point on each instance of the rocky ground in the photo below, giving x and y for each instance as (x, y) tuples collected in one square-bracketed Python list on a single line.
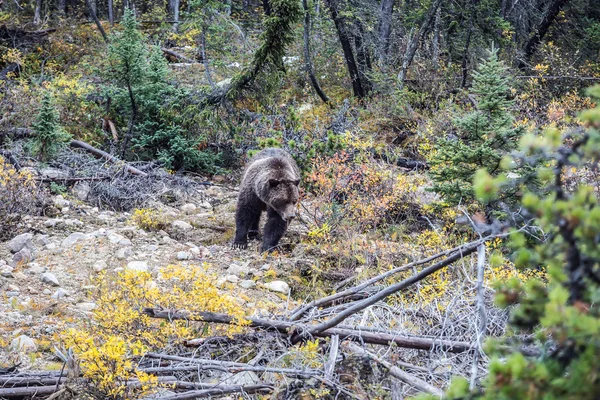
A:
[(47, 272)]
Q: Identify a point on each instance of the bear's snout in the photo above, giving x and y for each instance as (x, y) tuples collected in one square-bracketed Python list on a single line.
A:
[(288, 216)]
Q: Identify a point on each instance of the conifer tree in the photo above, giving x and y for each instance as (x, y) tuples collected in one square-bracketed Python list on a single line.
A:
[(485, 135), (48, 135), (562, 315)]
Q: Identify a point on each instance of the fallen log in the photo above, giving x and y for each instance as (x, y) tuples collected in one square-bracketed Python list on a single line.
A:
[(288, 329), (178, 56), (411, 164), (102, 154), (74, 179), (8, 393)]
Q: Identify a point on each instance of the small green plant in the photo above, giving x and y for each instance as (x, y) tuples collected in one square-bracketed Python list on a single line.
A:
[(57, 188), (48, 135)]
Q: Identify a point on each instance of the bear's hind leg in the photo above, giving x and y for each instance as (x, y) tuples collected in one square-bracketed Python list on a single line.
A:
[(273, 231)]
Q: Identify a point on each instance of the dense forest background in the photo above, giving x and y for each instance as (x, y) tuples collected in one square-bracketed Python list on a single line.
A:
[(448, 232)]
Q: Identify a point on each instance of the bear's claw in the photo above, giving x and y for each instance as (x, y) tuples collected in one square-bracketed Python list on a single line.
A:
[(241, 246)]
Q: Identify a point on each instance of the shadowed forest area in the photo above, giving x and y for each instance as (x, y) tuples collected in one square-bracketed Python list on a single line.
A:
[(446, 241)]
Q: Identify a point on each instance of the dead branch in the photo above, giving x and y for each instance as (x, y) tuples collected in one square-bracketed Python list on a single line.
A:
[(8, 393), (102, 154), (8, 156), (361, 305), (229, 366), (326, 301), (178, 56), (397, 372), (74, 179), (220, 390), (289, 328)]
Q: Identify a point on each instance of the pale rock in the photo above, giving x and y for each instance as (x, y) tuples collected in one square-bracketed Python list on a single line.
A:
[(100, 266), (206, 205), (239, 270), (81, 190), (123, 253), (115, 238), (232, 279), (86, 306), (60, 293), (47, 291), (151, 247), (49, 278), (32, 290), (41, 240), (6, 271), (188, 208), (73, 222), (224, 83), (72, 239), (168, 240), (54, 222), (13, 294), (23, 344), (3, 263), (23, 256), (36, 269), (278, 286), (60, 202), (20, 241), (13, 288), (182, 255), (265, 267), (247, 284), (51, 246), (54, 173), (99, 233), (141, 266), (20, 276), (182, 226)]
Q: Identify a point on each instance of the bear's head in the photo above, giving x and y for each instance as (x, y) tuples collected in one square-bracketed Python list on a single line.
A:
[(283, 196)]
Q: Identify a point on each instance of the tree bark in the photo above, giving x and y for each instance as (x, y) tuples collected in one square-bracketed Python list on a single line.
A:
[(92, 11), (351, 64), (37, 14), (541, 31), (174, 8), (307, 57), (465, 59), (62, 8), (384, 29), (435, 45), (205, 57), (416, 39), (363, 57), (111, 14)]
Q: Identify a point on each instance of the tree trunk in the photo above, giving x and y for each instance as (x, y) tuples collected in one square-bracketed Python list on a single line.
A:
[(174, 9), (111, 14), (62, 8), (37, 14), (416, 39), (205, 57), (92, 11), (465, 59), (384, 29), (364, 59), (93, 7), (347, 49), (266, 7), (435, 45), (541, 31), (307, 58)]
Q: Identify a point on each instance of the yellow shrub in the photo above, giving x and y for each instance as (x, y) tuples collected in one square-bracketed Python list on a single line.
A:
[(118, 333), (149, 219)]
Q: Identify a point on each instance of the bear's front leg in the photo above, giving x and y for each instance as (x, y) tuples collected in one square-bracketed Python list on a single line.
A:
[(274, 229), (245, 218)]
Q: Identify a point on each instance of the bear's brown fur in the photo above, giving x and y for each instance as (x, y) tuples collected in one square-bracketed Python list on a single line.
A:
[(270, 183)]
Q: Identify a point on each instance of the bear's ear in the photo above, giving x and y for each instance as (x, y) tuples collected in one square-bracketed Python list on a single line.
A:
[(296, 182), (273, 182)]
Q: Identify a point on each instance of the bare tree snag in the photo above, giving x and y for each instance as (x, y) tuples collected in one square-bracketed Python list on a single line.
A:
[(91, 9), (307, 57), (177, 55), (384, 28), (102, 154), (340, 26), (413, 44), (111, 13)]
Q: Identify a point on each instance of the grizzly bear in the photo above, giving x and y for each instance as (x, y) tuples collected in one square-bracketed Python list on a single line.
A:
[(270, 183)]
